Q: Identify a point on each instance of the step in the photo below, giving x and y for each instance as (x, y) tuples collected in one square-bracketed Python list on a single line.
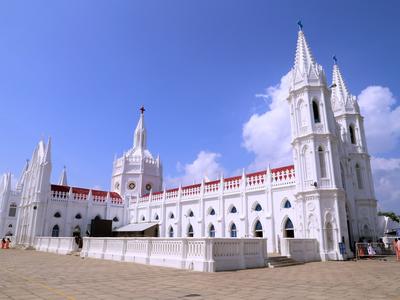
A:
[(281, 261)]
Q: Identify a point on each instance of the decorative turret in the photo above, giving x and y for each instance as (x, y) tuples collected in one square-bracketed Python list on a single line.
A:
[(63, 177), (342, 100)]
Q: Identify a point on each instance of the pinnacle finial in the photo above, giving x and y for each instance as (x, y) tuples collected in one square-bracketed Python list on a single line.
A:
[(334, 59), (142, 110), (300, 25)]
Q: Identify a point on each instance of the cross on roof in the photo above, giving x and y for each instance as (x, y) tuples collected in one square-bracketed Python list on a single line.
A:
[(142, 109)]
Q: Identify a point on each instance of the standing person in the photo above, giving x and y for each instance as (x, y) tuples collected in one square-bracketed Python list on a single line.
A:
[(3, 243), (398, 249), (394, 246)]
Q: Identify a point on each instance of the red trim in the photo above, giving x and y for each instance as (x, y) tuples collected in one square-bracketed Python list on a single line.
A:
[(289, 168), (256, 173), (60, 188), (191, 186), (213, 182)]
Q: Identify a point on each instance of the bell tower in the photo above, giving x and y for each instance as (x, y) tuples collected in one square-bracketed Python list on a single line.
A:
[(319, 196), (136, 172)]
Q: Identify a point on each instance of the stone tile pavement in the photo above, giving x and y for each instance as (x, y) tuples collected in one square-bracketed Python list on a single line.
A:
[(35, 275)]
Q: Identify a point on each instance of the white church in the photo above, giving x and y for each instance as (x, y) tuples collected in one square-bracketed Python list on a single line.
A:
[(327, 194)]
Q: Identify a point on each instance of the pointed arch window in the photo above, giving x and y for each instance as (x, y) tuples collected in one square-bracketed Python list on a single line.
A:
[(78, 216), (190, 232), (352, 134), (13, 210), (55, 232), (171, 215), (287, 204), (233, 210), (258, 230), (212, 212), (190, 213), (211, 231), (115, 219), (171, 232), (98, 217), (288, 229), (143, 218), (317, 118), (322, 163), (57, 215), (9, 225), (233, 231), (359, 176), (156, 217), (258, 207)]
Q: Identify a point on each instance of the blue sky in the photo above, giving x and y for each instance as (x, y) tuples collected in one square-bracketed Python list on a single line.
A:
[(79, 70)]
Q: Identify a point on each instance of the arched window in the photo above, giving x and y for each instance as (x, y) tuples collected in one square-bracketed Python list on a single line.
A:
[(115, 219), (289, 229), (190, 213), (156, 217), (352, 134), (315, 108), (171, 215), (171, 232), (233, 230), (57, 215), (13, 210), (322, 164), (190, 231), (211, 231), (329, 236), (143, 218), (212, 212), (233, 210), (98, 217), (78, 216), (258, 207), (287, 204), (359, 176), (258, 230), (55, 232), (9, 225)]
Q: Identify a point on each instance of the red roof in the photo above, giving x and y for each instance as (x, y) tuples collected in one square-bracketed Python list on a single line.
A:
[(84, 191)]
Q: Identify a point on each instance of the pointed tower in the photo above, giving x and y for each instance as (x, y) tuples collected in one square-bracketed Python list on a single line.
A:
[(63, 177), (21, 180), (355, 162), (315, 152), (137, 172), (34, 195)]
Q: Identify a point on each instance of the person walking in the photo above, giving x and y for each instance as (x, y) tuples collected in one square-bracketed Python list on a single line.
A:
[(3, 243)]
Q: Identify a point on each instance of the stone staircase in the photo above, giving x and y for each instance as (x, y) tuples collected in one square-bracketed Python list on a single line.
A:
[(281, 261)]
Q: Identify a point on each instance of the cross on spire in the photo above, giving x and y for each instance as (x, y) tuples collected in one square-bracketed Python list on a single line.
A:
[(142, 109), (300, 25), (334, 59)]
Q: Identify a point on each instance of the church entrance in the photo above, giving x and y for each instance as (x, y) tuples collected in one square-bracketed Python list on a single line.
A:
[(288, 231), (258, 230)]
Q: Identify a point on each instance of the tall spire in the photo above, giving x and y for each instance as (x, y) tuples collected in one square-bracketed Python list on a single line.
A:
[(21, 180), (139, 141), (341, 97), (63, 177), (306, 71), (47, 154), (304, 58)]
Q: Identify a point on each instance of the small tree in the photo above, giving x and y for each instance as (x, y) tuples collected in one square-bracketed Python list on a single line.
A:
[(391, 215)]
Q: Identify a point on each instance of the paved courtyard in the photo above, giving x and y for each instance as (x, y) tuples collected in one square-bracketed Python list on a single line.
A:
[(35, 275)]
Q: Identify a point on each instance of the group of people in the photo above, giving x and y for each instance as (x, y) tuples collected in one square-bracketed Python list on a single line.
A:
[(396, 247), (5, 243)]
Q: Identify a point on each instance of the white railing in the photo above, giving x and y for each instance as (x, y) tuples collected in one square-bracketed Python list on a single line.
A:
[(60, 245), (302, 250), (198, 254)]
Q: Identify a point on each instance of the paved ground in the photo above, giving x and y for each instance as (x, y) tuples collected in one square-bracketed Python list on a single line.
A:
[(35, 275)]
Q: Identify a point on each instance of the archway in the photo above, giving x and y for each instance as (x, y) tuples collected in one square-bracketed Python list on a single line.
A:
[(288, 231), (258, 230), (55, 232)]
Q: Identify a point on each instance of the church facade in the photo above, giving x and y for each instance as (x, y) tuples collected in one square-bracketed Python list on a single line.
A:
[(327, 193)]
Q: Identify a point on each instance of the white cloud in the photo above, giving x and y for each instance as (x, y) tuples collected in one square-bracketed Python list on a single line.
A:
[(386, 173), (268, 135), (382, 126), (206, 164)]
